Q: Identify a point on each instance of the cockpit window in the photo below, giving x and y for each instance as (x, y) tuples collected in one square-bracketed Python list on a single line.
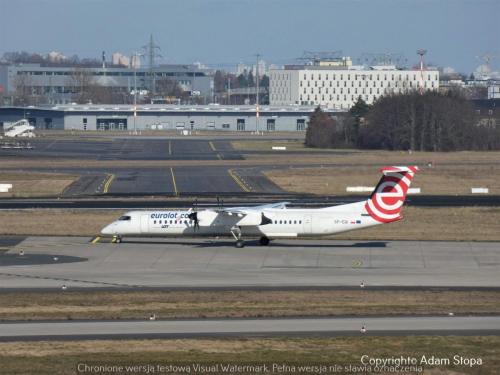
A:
[(124, 218)]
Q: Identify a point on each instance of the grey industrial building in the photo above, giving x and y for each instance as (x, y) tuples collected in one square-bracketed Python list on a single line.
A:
[(57, 84), (163, 117)]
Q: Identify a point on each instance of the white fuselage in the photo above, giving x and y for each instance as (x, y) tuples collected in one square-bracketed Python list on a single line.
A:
[(284, 222)]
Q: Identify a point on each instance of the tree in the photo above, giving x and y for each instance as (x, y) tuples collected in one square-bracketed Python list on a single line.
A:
[(351, 126), (23, 90), (169, 87), (321, 130), (428, 122), (242, 80), (250, 80), (264, 81)]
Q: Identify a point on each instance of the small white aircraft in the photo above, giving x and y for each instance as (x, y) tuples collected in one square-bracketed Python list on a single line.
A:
[(275, 220)]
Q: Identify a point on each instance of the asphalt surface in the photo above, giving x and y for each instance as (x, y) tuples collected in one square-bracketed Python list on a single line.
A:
[(144, 181), (477, 325), (128, 149), (191, 263), (209, 199)]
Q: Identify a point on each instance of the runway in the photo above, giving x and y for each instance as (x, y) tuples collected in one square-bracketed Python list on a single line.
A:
[(211, 263), (78, 330)]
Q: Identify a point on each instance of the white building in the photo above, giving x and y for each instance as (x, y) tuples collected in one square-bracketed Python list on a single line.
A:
[(339, 84), (118, 59)]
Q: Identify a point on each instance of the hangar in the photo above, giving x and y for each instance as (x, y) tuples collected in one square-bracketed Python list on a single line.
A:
[(107, 117)]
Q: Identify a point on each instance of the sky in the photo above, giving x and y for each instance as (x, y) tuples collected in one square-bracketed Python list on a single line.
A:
[(454, 32)]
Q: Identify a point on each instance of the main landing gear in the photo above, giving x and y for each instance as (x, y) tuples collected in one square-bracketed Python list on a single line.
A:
[(116, 239), (236, 232), (264, 241)]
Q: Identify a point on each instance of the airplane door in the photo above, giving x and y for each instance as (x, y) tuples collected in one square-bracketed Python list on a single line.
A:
[(308, 224), (144, 223)]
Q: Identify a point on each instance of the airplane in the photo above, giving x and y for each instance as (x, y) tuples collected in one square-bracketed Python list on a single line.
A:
[(271, 221)]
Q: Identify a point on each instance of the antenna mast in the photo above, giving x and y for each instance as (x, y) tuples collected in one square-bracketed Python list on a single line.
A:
[(151, 50), (421, 52)]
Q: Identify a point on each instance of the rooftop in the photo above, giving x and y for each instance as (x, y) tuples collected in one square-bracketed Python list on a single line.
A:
[(173, 108)]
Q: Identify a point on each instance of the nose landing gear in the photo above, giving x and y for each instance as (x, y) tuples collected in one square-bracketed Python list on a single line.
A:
[(116, 239)]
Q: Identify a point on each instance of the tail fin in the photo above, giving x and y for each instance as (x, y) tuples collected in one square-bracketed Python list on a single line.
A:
[(386, 201)]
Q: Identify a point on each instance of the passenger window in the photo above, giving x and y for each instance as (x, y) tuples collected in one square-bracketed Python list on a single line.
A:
[(300, 221), (280, 221), (275, 221), (295, 221), (154, 222), (159, 222)]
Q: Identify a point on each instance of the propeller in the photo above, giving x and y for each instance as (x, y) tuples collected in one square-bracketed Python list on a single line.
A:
[(193, 215)]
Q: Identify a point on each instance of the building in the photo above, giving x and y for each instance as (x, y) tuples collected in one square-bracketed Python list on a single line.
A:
[(338, 84), (487, 112), (494, 91), (163, 117), (59, 83), (118, 59)]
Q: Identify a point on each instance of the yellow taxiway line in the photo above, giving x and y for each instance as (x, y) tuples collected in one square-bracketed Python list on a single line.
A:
[(108, 183), (173, 180), (238, 180)]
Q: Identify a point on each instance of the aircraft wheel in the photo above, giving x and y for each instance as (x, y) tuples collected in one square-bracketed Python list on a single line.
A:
[(264, 241), (117, 239), (240, 244)]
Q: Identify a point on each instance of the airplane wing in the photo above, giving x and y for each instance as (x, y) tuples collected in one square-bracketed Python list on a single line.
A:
[(253, 209), (251, 216)]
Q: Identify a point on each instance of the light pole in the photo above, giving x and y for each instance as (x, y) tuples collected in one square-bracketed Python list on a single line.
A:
[(257, 127), (134, 62)]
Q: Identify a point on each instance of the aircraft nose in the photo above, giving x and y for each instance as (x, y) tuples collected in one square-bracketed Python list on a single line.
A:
[(108, 229)]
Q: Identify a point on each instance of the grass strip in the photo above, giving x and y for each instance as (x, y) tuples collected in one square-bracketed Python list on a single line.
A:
[(240, 304), (63, 357)]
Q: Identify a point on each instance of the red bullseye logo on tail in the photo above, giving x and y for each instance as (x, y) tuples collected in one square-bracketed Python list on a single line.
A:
[(388, 198)]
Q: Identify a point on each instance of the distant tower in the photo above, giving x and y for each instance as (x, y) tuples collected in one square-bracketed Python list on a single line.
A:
[(421, 52), (151, 51)]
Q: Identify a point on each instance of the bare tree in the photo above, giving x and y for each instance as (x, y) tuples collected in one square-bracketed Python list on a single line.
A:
[(23, 90)]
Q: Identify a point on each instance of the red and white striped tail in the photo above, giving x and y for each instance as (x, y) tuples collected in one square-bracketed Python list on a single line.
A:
[(388, 198)]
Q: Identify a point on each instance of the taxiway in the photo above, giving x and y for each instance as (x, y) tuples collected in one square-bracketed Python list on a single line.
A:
[(78, 330), (192, 263)]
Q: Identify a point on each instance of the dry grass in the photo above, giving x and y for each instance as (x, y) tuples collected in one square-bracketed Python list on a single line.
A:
[(267, 145), (382, 158), (240, 304), (69, 222), (421, 223), (34, 184), (62, 357), (339, 157), (440, 179), (436, 224)]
